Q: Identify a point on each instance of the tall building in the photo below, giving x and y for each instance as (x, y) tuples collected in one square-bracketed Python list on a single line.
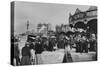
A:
[(62, 28), (43, 28)]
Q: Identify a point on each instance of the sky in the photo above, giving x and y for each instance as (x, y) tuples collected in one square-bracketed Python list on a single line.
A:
[(35, 13)]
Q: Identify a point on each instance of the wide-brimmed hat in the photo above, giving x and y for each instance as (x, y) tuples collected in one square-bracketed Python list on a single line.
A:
[(44, 36), (53, 37)]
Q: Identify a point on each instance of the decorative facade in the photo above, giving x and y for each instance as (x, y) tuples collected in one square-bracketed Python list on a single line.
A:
[(83, 16)]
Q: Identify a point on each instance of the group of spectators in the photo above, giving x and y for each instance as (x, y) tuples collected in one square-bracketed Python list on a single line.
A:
[(35, 45)]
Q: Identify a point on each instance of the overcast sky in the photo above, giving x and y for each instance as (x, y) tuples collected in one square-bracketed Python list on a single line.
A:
[(42, 13)]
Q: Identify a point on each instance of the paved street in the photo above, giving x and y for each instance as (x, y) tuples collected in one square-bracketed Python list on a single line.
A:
[(58, 56), (82, 56)]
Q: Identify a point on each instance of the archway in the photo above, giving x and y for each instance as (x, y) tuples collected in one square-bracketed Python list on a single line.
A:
[(80, 24), (92, 26)]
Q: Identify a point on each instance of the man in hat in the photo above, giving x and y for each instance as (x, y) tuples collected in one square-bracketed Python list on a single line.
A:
[(84, 44), (32, 51), (38, 50), (78, 43), (16, 53), (66, 39), (25, 55), (92, 42)]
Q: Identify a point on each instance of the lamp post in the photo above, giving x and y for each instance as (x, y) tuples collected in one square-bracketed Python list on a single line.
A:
[(27, 25)]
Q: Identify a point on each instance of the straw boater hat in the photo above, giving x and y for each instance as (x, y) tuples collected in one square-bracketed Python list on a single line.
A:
[(44, 36), (53, 37), (37, 36)]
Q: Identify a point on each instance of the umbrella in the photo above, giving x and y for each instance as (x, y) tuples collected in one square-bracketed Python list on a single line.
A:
[(62, 33), (31, 38), (80, 25), (69, 33)]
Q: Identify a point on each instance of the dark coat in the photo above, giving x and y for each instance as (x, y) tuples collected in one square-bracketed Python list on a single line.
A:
[(38, 48), (26, 51), (50, 47), (32, 46), (16, 51)]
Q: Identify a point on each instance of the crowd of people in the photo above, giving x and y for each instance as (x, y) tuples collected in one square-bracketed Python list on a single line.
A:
[(35, 45)]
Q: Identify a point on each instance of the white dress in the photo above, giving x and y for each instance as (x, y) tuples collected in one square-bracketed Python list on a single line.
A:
[(32, 56)]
